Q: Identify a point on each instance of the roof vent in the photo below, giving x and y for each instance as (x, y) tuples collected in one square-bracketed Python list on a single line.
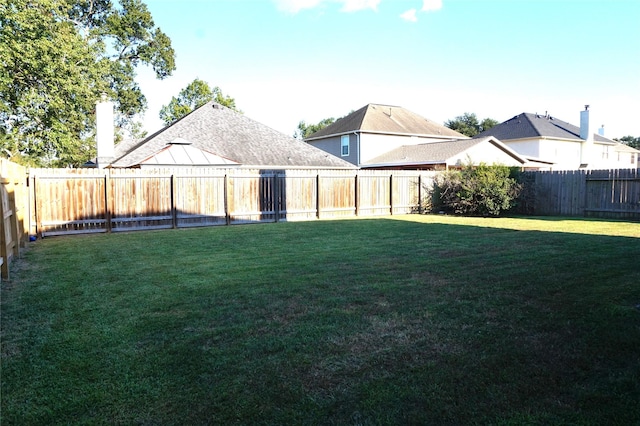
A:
[(179, 141)]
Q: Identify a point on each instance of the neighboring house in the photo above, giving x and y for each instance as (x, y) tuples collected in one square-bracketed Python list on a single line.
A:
[(450, 154), (568, 147), (376, 129), (212, 136), (624, 154)]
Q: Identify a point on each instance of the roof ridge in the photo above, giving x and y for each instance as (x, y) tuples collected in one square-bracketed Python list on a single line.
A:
[(142, 141), (533, 125)]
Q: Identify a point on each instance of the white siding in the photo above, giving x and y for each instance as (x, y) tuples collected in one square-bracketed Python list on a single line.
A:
[(567, 155), (486, 153)]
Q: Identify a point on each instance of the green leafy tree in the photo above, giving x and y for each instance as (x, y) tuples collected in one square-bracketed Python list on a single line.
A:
[(469, 125), (196, 94), (58, 57), (305, 130), (630, 140)]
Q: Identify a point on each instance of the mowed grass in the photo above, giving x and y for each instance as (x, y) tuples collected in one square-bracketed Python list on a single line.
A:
[(404, 320)]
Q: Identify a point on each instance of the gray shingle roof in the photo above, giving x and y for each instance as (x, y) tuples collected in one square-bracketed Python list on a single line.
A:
[(434, 152), (527, 125), (228, 134), (389, 119)]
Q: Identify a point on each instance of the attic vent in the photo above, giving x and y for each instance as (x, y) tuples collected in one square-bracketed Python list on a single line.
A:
[(216, 106), (179, 141)]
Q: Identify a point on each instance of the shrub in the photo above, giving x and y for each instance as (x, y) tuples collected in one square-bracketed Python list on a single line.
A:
[(525, 203), (476, 190)]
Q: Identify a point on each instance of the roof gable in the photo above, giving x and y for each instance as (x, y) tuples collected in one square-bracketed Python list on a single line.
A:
[(183, 154), (529, 126), (438, 152), (223, 133), (377, 118)]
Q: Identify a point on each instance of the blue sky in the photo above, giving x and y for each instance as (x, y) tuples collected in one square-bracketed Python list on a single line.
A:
[(289, 60)]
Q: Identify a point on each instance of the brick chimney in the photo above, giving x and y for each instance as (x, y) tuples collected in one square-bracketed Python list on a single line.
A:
[(104, 132)]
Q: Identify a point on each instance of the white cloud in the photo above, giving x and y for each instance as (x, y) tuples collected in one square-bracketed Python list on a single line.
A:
[(295, 6), (410, 15), (355, 5), (431, 5)]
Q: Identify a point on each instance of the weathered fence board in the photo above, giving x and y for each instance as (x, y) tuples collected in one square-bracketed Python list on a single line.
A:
[(200, 201), (69, 201), (14, 213), (298, 195), (593, 193), (613, 193), (125, 200)]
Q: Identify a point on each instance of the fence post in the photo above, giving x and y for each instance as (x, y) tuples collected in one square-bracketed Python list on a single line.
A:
[(357, 194), (31, 206), (13, 223), (419, 194), (38, 207), (174, 211), (318, 196), (227, 216), (391, 194), (107, 201), (276, 197), (4, 252)]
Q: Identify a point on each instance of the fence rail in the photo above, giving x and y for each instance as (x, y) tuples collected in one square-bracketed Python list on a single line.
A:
[(85, 201)]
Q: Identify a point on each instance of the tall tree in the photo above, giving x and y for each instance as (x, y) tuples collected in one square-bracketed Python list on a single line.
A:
[(58, 57), (469, 125), (196, 94), (304, 130)]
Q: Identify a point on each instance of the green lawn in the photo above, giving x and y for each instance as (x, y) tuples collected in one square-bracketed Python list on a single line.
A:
[(403, 320)]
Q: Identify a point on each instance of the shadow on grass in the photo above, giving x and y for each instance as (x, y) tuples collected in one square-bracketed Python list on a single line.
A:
[(355, 321)]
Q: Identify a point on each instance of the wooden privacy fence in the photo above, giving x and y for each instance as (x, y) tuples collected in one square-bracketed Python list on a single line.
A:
[(14, 211), (592, 193), (70, 201)]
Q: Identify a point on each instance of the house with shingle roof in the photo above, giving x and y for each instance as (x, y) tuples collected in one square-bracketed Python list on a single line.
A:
[(446, 155), (376, 129), (566, 146), (216, 136)]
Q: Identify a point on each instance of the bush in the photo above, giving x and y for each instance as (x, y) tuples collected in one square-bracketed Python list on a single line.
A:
[(525, 203), (476, 191)]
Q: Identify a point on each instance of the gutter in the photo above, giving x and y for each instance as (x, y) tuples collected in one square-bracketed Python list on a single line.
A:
[(413, 163)]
